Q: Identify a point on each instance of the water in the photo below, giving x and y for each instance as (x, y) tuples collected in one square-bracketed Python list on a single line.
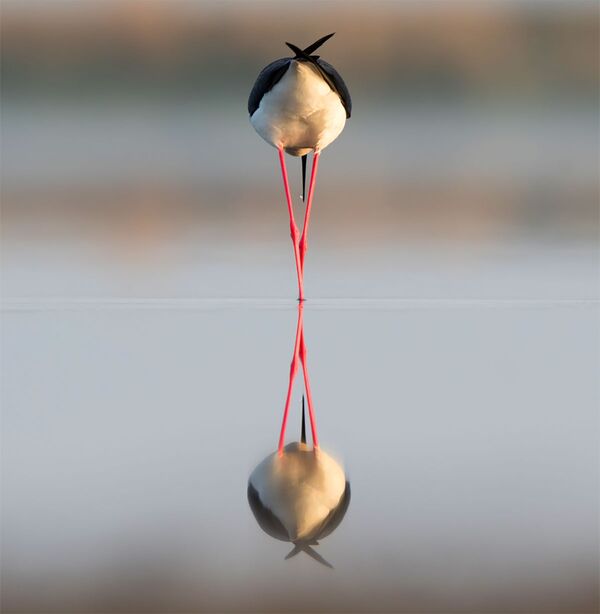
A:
[(467, 430), (452, 348), (58, 145)]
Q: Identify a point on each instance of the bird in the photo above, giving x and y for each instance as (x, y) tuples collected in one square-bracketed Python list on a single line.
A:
[(300, 105), (299, 496)]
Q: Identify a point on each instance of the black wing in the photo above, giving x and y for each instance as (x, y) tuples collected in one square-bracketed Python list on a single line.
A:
[(267, 521), (333, 77), (266, 81), (336, 515)]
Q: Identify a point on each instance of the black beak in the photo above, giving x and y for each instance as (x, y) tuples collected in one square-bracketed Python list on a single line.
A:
[(304, 157), (303, 432)]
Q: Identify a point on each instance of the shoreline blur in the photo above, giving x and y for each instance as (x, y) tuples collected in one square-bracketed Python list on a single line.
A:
[(472, 121)]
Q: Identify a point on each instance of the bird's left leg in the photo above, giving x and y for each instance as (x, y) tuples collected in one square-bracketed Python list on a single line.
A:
[(311, 191), (293, 228)]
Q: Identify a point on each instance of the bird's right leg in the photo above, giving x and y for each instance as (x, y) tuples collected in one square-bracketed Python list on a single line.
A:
[(294, 232), (303, 245), (293, 371)]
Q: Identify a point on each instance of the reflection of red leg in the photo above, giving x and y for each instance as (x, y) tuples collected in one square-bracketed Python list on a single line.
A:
[(311, 190), (293, 228), (311, 413), (293, 371)]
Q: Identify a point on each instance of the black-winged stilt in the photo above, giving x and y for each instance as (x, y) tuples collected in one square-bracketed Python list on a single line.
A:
[(299, 494), (300, 104)]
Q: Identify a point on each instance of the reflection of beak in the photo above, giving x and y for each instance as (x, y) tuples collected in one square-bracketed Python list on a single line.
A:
[(303, 432)]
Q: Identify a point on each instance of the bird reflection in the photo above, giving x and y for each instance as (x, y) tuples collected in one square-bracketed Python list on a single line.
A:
[(299, 493)]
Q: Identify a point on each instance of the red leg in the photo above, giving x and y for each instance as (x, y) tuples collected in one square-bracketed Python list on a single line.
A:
[(311, 413), (293, 227), (293, 371), (311, 190)]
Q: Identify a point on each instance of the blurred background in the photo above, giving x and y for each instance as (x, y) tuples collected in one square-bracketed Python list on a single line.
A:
[(453, 279), (130, 167)]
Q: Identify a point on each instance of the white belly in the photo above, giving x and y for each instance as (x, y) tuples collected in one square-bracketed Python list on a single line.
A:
[(301, 487), (301, 113)]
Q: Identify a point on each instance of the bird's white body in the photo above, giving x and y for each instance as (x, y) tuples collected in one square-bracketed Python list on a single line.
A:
[(301, 487), (301, 113)]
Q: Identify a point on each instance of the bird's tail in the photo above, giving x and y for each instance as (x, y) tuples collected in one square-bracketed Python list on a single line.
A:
[(306, 53), (313, 554), (304, 158)]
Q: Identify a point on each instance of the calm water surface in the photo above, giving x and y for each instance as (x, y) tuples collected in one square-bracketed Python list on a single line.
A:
[(147, 344), (467, 430)]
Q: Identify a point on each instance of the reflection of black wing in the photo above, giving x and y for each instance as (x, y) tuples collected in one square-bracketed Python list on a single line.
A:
[(333, 77), (267, 521), (336, 515), (313, 554), (272, 526), (266, 80)]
